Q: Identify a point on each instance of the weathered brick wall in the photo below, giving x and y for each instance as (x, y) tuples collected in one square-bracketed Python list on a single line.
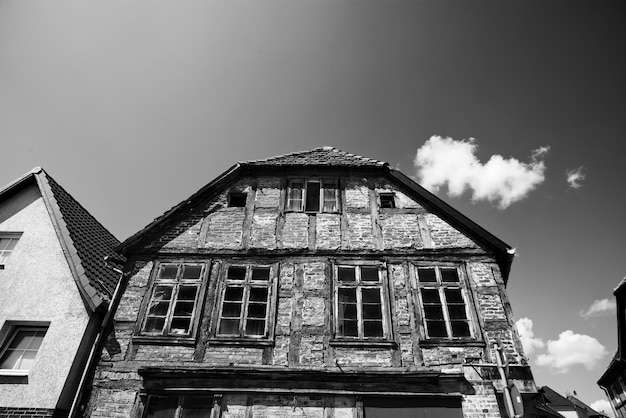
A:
[(30, 413)]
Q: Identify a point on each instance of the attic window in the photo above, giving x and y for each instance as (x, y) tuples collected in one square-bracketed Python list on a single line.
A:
[(387, 200), (237, 200), (7, 244), (312, 195)]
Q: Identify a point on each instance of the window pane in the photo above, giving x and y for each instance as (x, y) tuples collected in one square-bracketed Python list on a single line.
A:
[(10, 359), (233, 293), (229, 327), (346, 295), (21, 340), (258, 294), (231, 310), (436, 329), (346, 274), (36, 340), (454, 296), (236, 273), (4, 242), (161, 407), (159, 307), (168, 272), (237, 200), (387, 201), (460, 329), (348, 329), (430, 295), (312, 196), (256, 310), (372, 311), (180, 325), (10, 244), (457, 311), (330, 197), (155, 324), (197, 407), (449, 275), (373, 328), (295, 195), (369, 274), (28, 358), (184, 309), (370, 296), (261, 273), (163, 293), (433, 312), (426, 275), (187, 293), (347, 311), (192, 272), (255, 327)]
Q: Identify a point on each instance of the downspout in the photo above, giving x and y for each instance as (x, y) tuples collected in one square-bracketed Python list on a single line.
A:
[(97, 346)]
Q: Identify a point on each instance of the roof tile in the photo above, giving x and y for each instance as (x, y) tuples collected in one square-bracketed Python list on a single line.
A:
[(321, 156)]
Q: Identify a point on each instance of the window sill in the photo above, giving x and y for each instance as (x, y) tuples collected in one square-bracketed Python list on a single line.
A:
[(163, 340), (242, 342), (364, 343), (13, 376), (468, 342)]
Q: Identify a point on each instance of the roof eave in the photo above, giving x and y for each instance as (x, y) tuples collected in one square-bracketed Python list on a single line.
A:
[(134, 240), (504, 252)]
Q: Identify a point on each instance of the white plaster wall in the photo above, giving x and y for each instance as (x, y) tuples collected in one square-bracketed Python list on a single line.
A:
[(37, 285)]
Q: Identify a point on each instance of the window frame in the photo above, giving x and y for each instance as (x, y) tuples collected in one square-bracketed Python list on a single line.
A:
[(9, 335), (237, 194), (303, 196), (440, 286), (247, 283), (387, 338), (214, 398), (166, 336), (390, 195), (5, 254)]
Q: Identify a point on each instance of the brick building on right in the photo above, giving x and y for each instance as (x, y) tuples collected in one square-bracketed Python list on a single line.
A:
[(318, 284), (613, 381)]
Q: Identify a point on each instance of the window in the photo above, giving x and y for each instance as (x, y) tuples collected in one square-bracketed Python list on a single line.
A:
[(312, 195), (387, 200), (237, 200), (443, 302), (360, 303), (187, 406), (247, 302), (20, 350), (173, 305), (7, 244)]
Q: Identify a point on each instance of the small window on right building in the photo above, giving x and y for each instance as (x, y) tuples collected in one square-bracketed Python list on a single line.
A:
[(444, 303)]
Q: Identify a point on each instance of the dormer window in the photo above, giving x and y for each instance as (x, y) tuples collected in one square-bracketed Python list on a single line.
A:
[(237, 200), (312, 195), (387, 200)]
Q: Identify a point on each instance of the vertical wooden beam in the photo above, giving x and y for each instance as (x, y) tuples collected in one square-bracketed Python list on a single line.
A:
[(312, 231), (329, 353), (427, 241), (216, 410), (359, 407), (345, 232), (296, 316), (280, 221), (329, 407), (204, 326), (249, 215), (414, 313), (377, 232)]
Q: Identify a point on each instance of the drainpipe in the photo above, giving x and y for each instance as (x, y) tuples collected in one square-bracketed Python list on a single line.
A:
[(97, 346)]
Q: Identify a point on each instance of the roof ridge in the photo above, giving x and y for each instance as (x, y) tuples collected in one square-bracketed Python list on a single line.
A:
[(316, 159)]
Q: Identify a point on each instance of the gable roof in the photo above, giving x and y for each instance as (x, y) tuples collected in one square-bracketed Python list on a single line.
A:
[(84, 240), (330, 157), (321, 156)]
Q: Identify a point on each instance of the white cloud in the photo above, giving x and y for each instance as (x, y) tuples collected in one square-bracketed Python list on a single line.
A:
[(527, 336), (600, 307), (572, 349), (448, 162), (602, 405), (575, 177)]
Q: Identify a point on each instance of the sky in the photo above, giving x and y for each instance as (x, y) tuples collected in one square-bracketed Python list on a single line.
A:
[(133, 106)]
